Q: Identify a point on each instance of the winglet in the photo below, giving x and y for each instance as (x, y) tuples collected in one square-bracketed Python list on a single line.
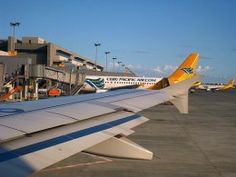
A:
[(185, 71), (179, 91), (181, 103)]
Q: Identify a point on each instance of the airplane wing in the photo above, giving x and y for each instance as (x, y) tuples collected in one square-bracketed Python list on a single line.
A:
[(37, 134)]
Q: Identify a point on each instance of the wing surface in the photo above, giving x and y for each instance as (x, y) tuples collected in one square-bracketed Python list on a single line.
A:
[(36, 134)]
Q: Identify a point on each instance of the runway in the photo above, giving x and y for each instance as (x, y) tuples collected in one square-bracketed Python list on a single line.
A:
[(199, 144)]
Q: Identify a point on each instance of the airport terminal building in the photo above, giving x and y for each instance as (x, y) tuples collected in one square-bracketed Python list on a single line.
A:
[(43, 52), (31, 64)]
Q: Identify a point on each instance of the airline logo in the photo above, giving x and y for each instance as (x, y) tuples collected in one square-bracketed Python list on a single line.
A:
[(187, 70), (99, 83)]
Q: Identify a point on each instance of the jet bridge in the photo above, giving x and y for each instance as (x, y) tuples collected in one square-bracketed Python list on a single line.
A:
[(45, 72), (74, 79), (33, 77)]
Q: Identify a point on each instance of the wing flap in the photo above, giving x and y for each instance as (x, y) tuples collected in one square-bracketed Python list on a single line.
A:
[(35, 121)]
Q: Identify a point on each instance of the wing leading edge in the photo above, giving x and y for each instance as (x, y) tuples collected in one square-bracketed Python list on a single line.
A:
[(35, 135)]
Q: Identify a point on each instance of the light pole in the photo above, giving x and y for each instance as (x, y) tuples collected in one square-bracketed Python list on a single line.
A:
[(106, 53), (119, 63), (96, 54), (14, 25), (114, 63)]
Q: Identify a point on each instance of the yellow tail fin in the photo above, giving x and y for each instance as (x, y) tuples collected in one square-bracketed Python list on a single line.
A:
[(231, 82), (185, 71), (229, 85)]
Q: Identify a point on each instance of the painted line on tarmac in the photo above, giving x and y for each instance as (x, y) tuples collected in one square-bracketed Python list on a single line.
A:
[(79, 165)]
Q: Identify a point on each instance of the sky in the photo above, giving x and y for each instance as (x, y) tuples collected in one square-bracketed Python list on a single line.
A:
[(151, 37)]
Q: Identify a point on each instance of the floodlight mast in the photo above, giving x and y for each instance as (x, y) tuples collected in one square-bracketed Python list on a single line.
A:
[(14, 25), (106, 53), (114, 63), (96, 54)]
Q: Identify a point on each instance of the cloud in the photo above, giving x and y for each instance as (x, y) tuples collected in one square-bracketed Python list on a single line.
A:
[(203, 69), (158, 69), (169, 68), (163, 71)]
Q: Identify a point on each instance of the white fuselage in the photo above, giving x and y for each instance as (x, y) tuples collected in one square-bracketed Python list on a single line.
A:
[(110, 82), (210, 87)]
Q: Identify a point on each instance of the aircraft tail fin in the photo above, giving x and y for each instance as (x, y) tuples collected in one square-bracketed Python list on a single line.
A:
[(231, 82), (229, 85), (185, 71)]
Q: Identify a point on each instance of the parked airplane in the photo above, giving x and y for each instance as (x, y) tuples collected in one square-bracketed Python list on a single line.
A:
[(37, 134), (103, 83), (214, 87)]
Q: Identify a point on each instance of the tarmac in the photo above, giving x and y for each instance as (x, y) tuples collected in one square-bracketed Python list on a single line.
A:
[(199, 144)]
